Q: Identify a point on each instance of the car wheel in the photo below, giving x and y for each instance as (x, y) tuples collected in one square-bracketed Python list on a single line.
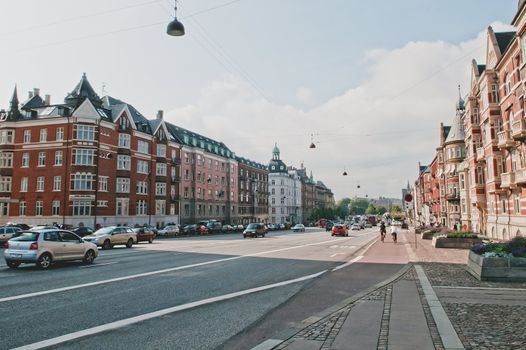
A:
[(44, 261), (263, 235), (346, 235), (13, 264), (244, 236), (129, 244), (106, 244), (89, 257), (150, 241)]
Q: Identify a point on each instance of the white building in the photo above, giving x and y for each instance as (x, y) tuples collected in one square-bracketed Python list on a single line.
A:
[(284, 185)]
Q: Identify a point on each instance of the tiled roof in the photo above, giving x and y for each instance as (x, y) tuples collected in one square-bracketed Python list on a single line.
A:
[(193, 139), (34, 102), (456, 132), (481, 68), (251, 163), (504, 39), (82, 91)]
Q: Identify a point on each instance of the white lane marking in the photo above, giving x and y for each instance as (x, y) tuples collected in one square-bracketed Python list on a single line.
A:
[(97, 265), (132, 320), (483, 288), (268, 344), (151, 273), (347, 263), (333, 255)]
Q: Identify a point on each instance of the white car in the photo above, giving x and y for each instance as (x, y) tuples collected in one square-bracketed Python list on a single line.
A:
[(43, 247), (298, 228), (107, 237), (7, 232), (169, 230)]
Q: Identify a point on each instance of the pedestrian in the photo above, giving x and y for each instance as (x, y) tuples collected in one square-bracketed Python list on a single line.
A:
[(455, 227), (394, 233), (382, 231)]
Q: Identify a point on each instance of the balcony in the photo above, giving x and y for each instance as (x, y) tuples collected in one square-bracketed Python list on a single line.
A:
[(518, 129), (504, 140), (481, 154), (508, 180), (453, 196), (520, 177)]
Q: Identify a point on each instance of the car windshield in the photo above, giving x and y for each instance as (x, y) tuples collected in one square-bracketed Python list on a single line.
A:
[(26, 237), (103, 231), (252, 226)]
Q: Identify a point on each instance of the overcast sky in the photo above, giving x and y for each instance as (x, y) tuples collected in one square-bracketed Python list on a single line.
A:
[(372, 80)]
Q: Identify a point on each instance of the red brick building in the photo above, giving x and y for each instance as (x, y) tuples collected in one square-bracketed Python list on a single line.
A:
[(90, 160), (253, 192)]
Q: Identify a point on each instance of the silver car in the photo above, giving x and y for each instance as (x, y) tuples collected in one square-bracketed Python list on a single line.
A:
[(107, 237), (43, 247), (7, 232)]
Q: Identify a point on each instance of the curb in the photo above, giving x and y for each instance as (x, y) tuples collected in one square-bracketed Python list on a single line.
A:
[(290, 332)]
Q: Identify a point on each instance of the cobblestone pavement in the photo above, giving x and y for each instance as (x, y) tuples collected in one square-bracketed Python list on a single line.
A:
[(480, 325)]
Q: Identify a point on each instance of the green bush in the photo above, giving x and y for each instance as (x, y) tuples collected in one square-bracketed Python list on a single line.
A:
[(462, 234)]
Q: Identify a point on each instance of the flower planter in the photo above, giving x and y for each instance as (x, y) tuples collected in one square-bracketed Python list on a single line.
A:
[(428, 234), (457, 243), (497, 269)]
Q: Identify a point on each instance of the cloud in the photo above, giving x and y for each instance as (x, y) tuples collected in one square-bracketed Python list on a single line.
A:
[(378, 130)]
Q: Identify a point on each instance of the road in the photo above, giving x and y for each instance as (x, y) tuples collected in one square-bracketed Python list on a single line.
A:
[(207, 292)]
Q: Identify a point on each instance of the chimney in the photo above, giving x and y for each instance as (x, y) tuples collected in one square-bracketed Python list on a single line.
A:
[(48, 100), (160, 114), (36, 91), (29, 94)]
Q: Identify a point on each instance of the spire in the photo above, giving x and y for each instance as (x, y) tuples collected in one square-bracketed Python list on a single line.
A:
[(83, 90), (14, 101), (460, 103), (275, 152)]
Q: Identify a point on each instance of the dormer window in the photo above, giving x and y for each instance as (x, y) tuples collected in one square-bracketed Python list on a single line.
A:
[(124, 123)]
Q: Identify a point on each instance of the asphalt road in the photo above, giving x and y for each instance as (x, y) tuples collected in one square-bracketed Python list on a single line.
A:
[(186, 293)]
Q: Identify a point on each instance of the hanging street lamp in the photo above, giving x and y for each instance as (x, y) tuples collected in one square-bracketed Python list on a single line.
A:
[(175, 28)]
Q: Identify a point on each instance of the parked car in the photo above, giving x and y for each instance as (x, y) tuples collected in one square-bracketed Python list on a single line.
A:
[(255, 230), (329, 225), (368, 225), (355, 227), (214, 227), (150, 228), (82, 231), (190, 229), (107, 237), (271, 227), (298, 228), (24, 227), (227, 228), (339, 230), (43, 247), (202, 230), (8, 232), (239, 227), (144, 234), (405, 225), (169, 230)]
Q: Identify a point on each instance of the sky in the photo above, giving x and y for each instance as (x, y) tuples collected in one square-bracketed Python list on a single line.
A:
[(367, 81)]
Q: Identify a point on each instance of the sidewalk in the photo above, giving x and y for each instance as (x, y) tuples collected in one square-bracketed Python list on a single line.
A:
[(428, 305)]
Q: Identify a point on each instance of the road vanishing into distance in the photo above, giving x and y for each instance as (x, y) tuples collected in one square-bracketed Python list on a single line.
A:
[(208, 292)]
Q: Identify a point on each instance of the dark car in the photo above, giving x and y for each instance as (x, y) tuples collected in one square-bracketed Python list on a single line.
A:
[(255, 230), (214, 227), (83, 231), (144, 234), (190, 229), (329, 225), (24, 227)]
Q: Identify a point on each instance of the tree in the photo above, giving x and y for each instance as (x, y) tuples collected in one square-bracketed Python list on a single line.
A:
[(371, 210), (358, 206), (381, 210), (396, 209)]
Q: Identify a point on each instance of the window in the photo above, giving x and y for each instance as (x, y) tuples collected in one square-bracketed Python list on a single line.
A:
[(6, 160), (141, 208), (123, 185), (27, 136), (41, 159), (160, 207), (185, 192), (160, 169), (124, 140), (23, 184), (25, 160), (43, 135), (123, 162), (503, 203), (82, 182), (174, 156), (6, 137), (22, 208), (81, 208), (142, 187), (494, 93), (59, 134), (103, 183), (462, 182), (5, 184), (57, 183), (480, 175), (161, 151), (143, 147), (142, 167), (83, 156), (85, 133), (122, 207), (40, 184), (160, 189), (514, 160), (39, 206), (507, 84), (58, 158), (102, 204), (517, 202), (55, 208)]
